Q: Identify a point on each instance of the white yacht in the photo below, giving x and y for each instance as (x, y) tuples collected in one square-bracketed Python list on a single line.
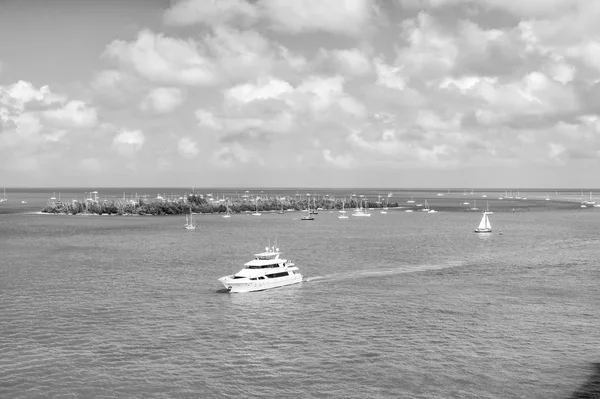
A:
[(267, 270)]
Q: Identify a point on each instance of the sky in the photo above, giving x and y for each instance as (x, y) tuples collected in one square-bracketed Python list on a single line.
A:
[(303, 93)]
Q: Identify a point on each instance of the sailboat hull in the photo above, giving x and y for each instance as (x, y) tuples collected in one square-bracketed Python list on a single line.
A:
[(482, 230)]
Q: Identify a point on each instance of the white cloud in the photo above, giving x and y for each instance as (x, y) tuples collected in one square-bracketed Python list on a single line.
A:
[(164, 59), (128, 142), (389, 76), (211, 12), (342, 161), (349, 17), (54, 136), (352, 62), (207, 119), (75, 114), (187, 147), (19, 94), (241, 55), (162, 100), (235, 154), (265, 88)]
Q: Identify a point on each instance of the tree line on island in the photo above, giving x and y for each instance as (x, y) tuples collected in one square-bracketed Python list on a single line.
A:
[(199, 204)]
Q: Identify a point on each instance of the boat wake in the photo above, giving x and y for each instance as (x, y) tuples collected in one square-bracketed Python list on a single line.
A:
[(383, 272)]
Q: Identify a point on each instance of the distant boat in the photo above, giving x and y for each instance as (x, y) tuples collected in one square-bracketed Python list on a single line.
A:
[(4, 199), (590, 202), (487, 208), (23, 202), (189, 221), (408, 210), (308, 215), (411, 200), (228, 214), (547, 197), (343, 212), (484, 224), (360, 212), (256, 213)]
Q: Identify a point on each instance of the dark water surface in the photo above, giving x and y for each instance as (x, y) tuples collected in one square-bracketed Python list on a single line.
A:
[(410, 305)]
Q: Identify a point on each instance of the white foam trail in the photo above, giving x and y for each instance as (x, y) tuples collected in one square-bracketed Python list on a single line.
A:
[(383, 272)]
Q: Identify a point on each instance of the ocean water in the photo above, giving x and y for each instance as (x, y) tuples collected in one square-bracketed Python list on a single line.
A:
[(410, 305)]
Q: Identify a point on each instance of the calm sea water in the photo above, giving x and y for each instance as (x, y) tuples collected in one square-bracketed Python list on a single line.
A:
[(410, 305)]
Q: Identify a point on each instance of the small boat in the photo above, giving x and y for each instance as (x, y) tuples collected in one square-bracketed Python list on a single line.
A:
[(487, 209), (23, 202), (408, 210), (411, 200), (309, 214), (256, 213), (343, 212), (189, 221), (228, 214), (267, 270), (484, 224), (4, 199), (360, 212)]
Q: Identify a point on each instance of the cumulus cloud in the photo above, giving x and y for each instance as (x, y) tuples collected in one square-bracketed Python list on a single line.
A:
[(234, 154), (74, 114), (128, 142), (211, 12), (187, 147), (343, 161), (164, 59), (349, 17), (162, 100)]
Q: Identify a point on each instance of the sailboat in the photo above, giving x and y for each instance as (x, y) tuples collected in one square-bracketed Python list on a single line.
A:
[(189, 221), (484, 224), (308, 215), (343, 212), (314, 210), (4, 199), (256, 213), (228, 214), (590, 201), (487, 209)]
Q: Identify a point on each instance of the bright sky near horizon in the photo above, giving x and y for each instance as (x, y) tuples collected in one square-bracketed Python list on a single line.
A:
[(313, 93)]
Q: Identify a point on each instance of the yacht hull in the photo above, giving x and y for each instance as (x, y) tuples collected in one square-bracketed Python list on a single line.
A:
[(482, 230), (245, 285)]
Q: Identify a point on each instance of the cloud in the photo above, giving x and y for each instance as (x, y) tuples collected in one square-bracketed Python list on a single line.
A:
[(162, 100), (389, 76), (211, 12), (264, 89), (342, 161), (231, 155), (74, 114), (163, 59), (348, 18), (128, 142), (351, 62), (187, 147)]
